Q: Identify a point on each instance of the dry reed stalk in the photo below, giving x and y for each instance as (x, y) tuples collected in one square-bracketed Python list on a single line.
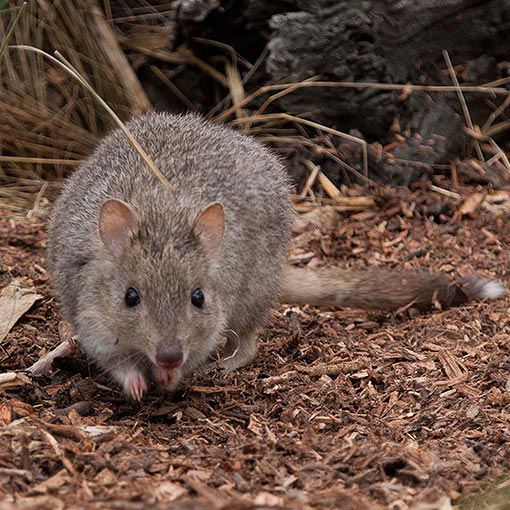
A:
[(236, 57), (314, 172), (445, 192), (175, 90), (155, 170), (497, 128), (309, 142), (169, 57), (10, 32), (495, 114), (499, 156), (42, 161), (119, 61), (191, 58), (310, 83), (463, 103), (331, 190), (281, 94), (236, 87)]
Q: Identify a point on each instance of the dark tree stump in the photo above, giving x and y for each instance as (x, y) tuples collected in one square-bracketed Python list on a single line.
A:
[(388, 41)]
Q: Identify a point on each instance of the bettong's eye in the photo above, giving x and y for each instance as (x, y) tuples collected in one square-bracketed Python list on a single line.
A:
[(197, 298), (132, 297)]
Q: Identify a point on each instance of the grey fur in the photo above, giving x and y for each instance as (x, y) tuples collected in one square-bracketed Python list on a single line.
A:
[(204, 163)]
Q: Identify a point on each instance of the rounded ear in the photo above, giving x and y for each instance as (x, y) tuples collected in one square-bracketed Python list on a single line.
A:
[(210, 226), (118, 224)]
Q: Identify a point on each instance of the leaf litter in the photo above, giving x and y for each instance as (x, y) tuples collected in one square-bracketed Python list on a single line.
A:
[(15, 299), (341, 409)]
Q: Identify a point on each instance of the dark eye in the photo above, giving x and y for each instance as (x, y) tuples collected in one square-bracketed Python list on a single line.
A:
[(132, 297), (197, 298)]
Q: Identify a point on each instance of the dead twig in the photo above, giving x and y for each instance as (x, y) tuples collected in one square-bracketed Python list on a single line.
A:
[(463, 103), (43, 365)]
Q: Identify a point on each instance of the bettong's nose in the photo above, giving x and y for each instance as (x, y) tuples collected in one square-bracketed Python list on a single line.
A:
[(169, 355)]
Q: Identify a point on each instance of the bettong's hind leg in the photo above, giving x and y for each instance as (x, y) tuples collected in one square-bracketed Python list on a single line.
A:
[(239, 350)]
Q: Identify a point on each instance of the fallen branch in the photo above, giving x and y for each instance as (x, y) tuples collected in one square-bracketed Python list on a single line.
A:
[(66, 348)]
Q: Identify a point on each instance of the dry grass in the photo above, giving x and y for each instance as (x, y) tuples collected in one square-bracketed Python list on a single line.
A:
[(48, 121), (44, 114)]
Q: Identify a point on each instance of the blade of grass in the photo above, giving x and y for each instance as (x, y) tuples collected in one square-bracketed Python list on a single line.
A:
[(463, 103), (41, 161), (10, 32)]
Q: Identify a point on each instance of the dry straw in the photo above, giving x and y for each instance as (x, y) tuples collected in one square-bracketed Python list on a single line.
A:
[(48, 121)]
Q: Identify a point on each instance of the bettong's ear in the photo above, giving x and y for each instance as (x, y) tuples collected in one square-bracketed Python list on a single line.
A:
[(210, 227), (118, 224)]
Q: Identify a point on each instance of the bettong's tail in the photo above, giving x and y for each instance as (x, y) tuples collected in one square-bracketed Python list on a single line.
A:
[(383, 290)]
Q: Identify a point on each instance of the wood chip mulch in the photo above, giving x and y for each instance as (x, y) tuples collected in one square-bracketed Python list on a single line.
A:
[(341, 409)]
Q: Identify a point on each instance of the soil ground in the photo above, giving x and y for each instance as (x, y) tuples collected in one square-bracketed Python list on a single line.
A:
[(341, 409)]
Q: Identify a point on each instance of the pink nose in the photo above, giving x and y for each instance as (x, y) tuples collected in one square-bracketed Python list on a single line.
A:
[(169, 356)]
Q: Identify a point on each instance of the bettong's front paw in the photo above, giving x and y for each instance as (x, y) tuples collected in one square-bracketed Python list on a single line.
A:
[(135, 385)]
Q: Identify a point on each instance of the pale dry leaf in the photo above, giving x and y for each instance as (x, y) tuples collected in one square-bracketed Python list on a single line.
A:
[(473, 412), (15, 300), (321, 217), (443, 503), (106, 477), (45, 502), (256, 426), (95, 431), (168, 491), (470, 205), (497, 203), (6, 414), (266, 499), (11, 380), (197, 474)]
